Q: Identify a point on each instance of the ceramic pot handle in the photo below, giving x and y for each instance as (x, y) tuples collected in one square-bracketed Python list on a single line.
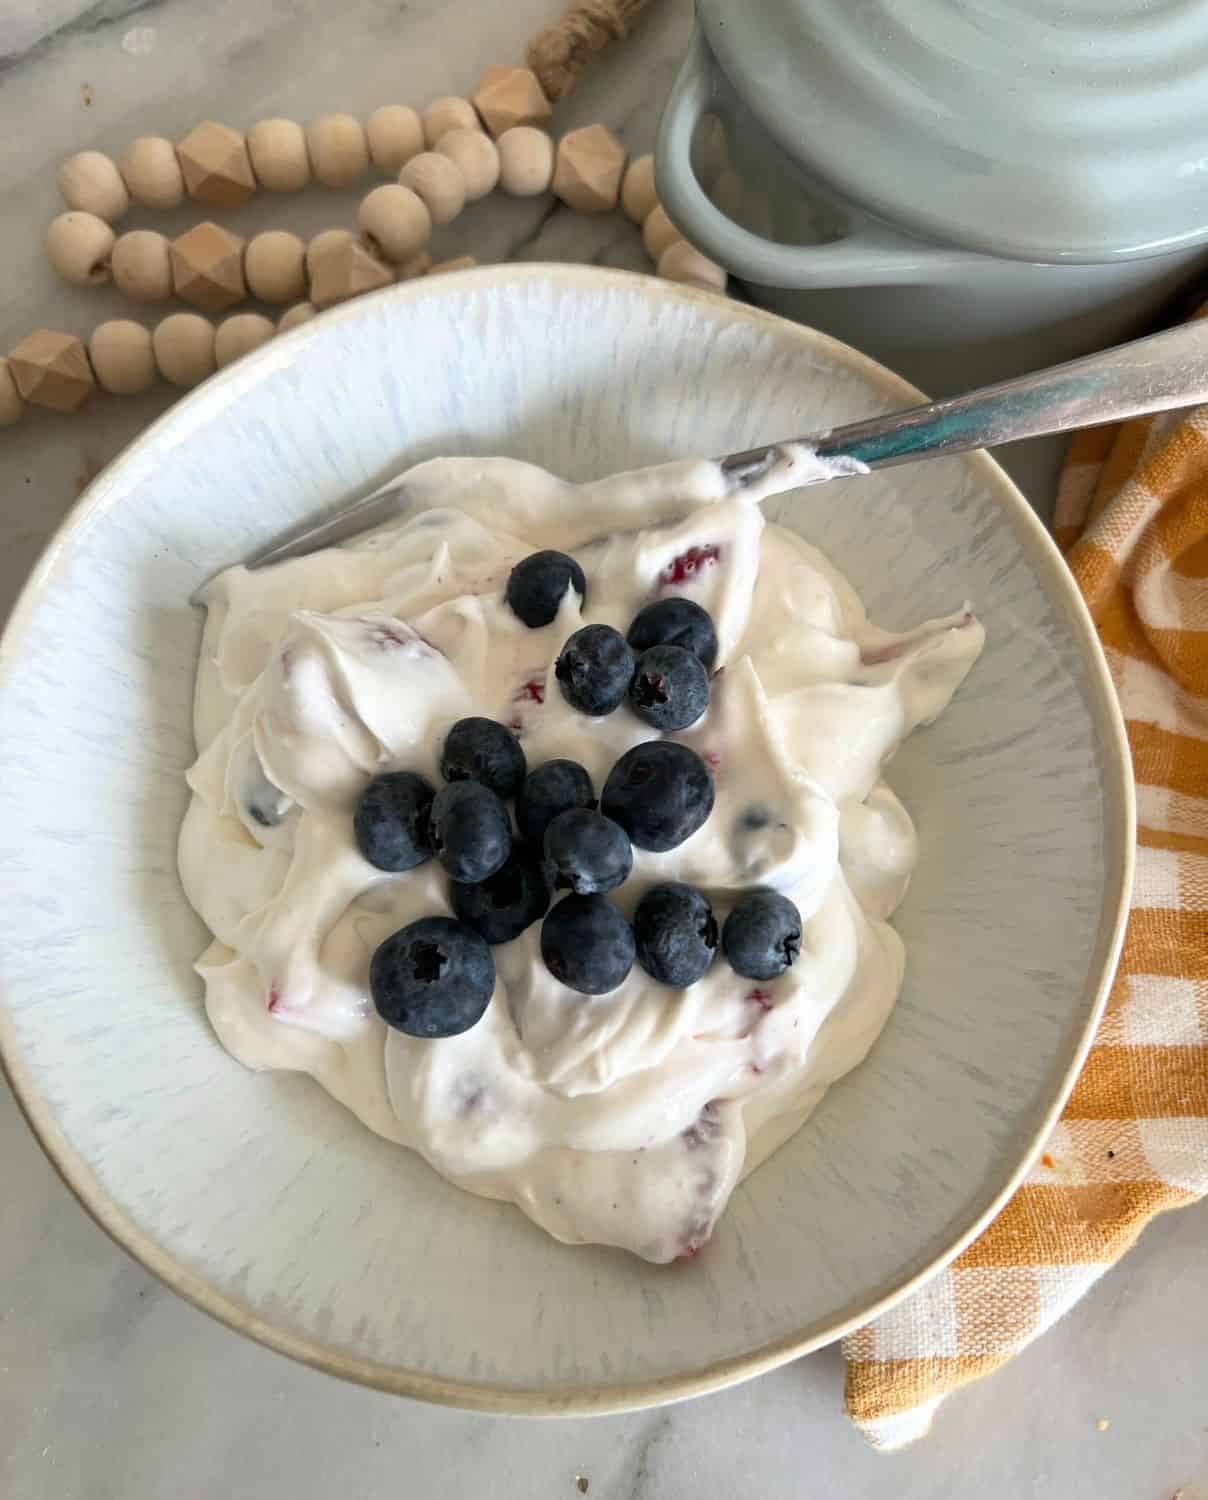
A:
[(870, 255)]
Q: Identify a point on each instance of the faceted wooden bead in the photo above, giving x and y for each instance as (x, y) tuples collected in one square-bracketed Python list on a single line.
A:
[(207, 267), (123, 358), (437, 180), (458, 263), (445, 114), (217, 169), (345, 271), (275, 266), (526, 161), (151, 171), (395, 222), (294, 317), (12, 408), (339, 152), (52, 370), (277, 151), (239, 335), (658, 232), (684, 262), (90, 181), (477, 157), (638, 197), (588, 170), (141, 263), (325, 240), (79, 246), (507, 97), (396, 134), (184, 348)]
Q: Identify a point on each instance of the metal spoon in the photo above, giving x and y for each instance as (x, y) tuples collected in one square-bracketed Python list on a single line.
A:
[(1159, 373)]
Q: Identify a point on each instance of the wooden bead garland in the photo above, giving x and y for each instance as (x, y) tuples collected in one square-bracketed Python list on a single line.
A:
[(443, 159)]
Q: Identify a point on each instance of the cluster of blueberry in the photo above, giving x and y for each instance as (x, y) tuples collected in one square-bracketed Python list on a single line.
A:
[(434, 978)]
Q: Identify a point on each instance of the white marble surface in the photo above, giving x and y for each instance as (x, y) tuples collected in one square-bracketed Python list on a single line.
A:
[(88, 1342)]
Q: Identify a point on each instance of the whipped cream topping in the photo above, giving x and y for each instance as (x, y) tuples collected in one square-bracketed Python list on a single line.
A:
[(624, 1119)]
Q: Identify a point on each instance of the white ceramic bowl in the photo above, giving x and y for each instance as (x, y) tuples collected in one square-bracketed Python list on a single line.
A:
[(267, 1204)]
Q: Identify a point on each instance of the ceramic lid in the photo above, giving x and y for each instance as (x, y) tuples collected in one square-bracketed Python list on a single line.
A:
[(1027, 128)]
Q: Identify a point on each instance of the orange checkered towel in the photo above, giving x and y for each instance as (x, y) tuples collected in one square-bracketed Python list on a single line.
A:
[(1132, 518)]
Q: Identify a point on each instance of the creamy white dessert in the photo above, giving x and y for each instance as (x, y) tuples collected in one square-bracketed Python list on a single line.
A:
[(625, 1118)]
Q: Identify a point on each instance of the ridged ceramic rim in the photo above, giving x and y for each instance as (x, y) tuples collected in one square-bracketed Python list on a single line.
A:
[(577, 1400)]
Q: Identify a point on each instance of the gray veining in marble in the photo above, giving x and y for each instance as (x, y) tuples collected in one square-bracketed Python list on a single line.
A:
[(89, 1405)]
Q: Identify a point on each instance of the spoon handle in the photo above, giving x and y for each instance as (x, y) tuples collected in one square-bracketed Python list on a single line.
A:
[(1158, 373)]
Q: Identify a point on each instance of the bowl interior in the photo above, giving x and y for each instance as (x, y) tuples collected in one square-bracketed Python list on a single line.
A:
[(266, 1202)]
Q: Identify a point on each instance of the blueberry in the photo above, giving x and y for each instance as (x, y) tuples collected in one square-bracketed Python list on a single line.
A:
[(390, 824), (675, 622), (594, 669), (500, 907), (676, 934), (587, 944), (586, 852), (470, 831), (552, 788), (482, 750), (431, 979), (762, 935), (660, 793), (670, 688), (538, 584)]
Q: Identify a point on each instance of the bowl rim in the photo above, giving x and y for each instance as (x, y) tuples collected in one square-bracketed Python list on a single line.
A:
[(631, 1394)]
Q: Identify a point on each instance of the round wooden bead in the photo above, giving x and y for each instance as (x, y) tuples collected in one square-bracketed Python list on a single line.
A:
[(476, 155), (12, 408), (396, 134), (411, 270), (274, 264), (184, 348), (280, 160), (123, 359), (325, 240), (658, 232), (445, 114), (91, 182), (151, 171), (339, 152), (526, 161), (438, 181), (638, 197), (684, 262), (301, 312), (395, 222), (141, 263), (79, 246), (239, 335)]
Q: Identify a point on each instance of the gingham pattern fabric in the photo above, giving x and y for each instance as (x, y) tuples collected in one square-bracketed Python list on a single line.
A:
[(1132, 517)]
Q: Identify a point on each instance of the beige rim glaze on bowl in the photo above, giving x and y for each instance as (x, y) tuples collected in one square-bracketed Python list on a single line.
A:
[(492, 288)]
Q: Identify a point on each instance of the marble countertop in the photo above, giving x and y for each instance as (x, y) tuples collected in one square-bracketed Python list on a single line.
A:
[(88, 1341)]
